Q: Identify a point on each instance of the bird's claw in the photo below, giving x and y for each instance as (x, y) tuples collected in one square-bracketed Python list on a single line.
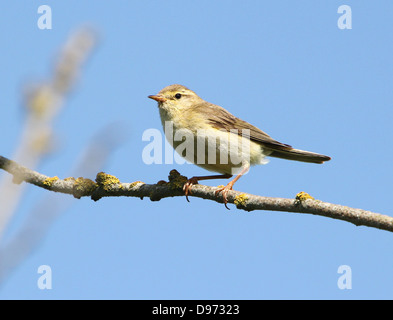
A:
[(190, 182), (224, 191), (188, 185)]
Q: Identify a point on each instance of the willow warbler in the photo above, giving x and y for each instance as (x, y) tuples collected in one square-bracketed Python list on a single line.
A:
[(212, 138)]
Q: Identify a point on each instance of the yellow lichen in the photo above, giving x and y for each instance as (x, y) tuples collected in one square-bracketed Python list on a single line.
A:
[(69, 179), (106, 181), (49, 181), (176, 180), (133, 184), (240, 200), (301, 196), (83, 187)]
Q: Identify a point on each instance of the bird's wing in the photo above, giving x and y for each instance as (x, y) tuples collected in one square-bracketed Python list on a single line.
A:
[(221, 119)]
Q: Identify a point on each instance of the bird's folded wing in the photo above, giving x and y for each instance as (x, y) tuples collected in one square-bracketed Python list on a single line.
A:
[(221, 119)]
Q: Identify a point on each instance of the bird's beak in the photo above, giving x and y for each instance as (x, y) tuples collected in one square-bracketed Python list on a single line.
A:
[(158, 98)]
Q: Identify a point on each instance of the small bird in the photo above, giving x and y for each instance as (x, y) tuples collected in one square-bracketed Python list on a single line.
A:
[(216, 134)]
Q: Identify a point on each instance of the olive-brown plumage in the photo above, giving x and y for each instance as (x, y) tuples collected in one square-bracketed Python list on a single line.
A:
[(187, 111)]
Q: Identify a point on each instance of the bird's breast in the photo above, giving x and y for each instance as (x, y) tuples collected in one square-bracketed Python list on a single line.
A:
[(210, 148)]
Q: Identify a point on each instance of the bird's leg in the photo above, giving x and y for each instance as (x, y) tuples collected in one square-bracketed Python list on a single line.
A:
[(229, 186), (194, 180)]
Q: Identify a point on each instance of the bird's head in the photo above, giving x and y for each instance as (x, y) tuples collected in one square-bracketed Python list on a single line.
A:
[(176, 97)]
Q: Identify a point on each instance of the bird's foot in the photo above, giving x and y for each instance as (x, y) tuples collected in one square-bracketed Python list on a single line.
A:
[(225, 191), (188, 185)]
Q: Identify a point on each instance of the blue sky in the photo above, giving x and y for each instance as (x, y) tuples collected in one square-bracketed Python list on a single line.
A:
[(285, 67)]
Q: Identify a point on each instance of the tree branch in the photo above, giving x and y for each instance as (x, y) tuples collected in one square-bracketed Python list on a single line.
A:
[(109, 186)]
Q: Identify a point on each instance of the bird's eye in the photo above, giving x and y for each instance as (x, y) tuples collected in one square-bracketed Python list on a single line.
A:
[(177, 95)]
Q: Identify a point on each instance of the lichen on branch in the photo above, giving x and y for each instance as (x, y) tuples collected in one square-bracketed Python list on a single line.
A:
[(106, 185)]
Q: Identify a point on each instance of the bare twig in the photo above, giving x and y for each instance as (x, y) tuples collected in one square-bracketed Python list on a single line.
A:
[(109, 186)]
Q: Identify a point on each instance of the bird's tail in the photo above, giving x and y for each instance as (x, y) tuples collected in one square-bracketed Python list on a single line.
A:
[(299, 155)]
